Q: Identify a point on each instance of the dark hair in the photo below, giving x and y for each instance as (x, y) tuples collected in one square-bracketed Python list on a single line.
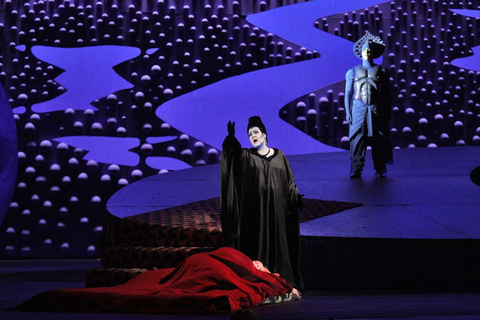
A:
[(244, 314), (255, 121)]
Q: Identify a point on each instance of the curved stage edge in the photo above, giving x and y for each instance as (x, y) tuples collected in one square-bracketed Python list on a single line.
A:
[(417, 228)]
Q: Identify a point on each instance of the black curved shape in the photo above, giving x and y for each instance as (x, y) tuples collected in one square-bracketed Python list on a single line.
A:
[(475, 176)]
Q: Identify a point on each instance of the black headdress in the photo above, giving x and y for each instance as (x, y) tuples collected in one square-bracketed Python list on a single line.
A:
[(255, 121)]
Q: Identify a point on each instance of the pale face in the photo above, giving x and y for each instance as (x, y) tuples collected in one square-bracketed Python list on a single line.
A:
[(257, 138), (366, 54), (259, 265)]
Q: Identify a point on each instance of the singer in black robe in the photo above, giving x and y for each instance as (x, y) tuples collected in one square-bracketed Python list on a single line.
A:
[(259, 206)]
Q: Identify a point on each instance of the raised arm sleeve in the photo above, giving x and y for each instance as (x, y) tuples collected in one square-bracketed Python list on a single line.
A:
[(230, 167)]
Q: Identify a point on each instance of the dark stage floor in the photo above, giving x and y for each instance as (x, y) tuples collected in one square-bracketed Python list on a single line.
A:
[(428, 198), (20, 280)]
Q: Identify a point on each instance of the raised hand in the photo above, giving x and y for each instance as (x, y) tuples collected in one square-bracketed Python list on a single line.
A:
[(231, 128)]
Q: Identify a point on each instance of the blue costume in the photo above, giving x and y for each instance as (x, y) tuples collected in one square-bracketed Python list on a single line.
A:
[(368, 108)]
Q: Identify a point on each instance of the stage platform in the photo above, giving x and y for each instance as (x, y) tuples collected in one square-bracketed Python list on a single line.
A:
[(21, 280), (418, 227)]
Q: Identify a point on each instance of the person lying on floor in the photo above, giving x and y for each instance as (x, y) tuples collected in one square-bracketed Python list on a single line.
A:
[(224, 280)]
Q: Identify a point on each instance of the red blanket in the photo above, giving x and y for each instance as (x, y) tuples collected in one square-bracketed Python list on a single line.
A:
[(224, 280)]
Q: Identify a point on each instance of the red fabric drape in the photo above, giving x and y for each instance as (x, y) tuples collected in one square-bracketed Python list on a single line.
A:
[(224, 280)]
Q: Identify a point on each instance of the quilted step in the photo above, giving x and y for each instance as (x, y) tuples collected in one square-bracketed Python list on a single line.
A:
[(195, 224), (107, 277), (148, 257)]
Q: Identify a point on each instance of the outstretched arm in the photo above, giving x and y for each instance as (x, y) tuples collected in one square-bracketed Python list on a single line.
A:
[(349, 76), (230, 167), (230, 145)]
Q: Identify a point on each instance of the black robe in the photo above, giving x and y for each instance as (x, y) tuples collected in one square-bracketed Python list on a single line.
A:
[(259, 216)]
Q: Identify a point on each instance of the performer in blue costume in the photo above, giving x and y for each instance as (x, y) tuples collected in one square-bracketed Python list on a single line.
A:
[(368, 107)]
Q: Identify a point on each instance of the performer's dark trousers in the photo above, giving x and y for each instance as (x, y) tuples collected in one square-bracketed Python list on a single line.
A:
[(358, 148), (359, 139)]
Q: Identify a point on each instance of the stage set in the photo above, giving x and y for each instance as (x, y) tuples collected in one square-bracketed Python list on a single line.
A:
[(113, 115)]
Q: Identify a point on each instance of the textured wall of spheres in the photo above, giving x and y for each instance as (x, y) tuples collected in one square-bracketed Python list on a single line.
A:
[(434, 103), (58, 207)]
